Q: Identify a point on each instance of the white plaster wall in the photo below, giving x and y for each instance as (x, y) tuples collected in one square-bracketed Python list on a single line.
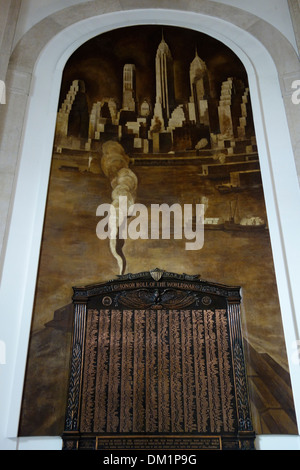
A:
[(275, 12), (9, 13), (295, 13), (33, 11), (3, 20)]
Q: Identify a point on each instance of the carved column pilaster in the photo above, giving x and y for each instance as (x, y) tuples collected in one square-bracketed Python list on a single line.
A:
[(73, 405), (239, 366)]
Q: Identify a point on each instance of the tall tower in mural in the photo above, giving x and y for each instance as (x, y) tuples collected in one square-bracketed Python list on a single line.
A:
[(129, 87), (165, 96), (200, 91)]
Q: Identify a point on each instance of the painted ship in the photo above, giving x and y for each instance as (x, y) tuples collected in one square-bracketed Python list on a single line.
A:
[(213, 223), (247, 224)]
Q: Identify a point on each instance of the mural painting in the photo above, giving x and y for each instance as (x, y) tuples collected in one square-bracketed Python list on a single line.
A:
[(161, 116)]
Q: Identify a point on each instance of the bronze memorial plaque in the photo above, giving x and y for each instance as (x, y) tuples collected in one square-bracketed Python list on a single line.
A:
[(158, 363)]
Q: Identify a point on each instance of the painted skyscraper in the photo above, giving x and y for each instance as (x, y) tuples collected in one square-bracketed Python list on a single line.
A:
[(129, 87), (200, 91), (165, 97)]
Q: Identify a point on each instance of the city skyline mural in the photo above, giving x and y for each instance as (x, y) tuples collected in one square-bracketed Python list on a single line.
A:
[(160, 86)]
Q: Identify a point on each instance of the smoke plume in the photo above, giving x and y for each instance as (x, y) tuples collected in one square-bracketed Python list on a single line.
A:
[(115, 166)]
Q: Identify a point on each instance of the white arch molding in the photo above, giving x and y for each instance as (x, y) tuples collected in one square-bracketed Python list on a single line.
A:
[(23, 243)]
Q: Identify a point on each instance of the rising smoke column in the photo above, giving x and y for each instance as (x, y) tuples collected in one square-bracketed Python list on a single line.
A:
[(115, 166)]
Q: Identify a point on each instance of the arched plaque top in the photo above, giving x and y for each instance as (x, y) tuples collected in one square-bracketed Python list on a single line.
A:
[(157, 288)]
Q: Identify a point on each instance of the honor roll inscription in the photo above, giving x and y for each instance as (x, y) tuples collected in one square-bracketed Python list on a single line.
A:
[(158, 371), (157, 363)]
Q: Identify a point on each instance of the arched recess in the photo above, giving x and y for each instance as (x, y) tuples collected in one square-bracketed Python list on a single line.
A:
[(26, 223)]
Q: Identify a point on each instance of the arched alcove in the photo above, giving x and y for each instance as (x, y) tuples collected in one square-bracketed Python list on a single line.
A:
[(23, 242)]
